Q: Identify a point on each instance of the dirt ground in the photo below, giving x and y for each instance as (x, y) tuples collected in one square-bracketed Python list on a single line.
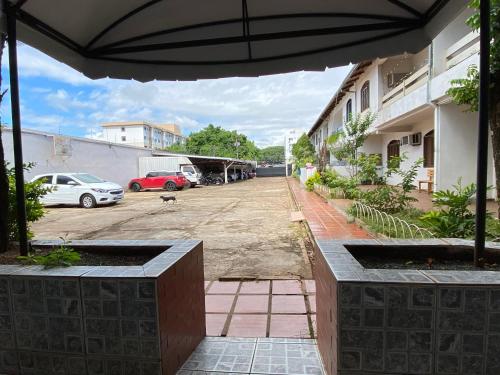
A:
[(245, 227)]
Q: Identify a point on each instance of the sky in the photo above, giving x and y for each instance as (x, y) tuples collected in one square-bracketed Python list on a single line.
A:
[(56, 98)]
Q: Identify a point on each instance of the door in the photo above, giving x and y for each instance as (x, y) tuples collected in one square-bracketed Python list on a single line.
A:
[(46, 181), (153, 180), (67, 190)]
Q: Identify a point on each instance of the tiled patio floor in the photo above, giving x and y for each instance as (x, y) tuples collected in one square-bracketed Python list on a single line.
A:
[(254, 356), (325, 221), (265, 308)]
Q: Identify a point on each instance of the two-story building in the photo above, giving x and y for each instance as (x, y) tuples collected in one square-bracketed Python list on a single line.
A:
[(142, 134), (414, 115)]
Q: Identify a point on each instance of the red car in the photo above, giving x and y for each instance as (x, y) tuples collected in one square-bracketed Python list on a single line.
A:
[(159, 180)]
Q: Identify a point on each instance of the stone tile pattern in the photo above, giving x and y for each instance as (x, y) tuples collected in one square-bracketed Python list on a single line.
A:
[(254, 356), (120, 318), (400, 326), (78, 321)]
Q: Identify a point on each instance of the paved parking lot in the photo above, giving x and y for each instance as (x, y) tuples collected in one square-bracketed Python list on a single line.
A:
[(245, 226)]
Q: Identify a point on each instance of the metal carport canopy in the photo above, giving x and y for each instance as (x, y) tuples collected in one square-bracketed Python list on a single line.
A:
[(196, 39), (203, 158)]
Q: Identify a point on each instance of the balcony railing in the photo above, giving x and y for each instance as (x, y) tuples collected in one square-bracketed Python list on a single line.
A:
[(412, 82), (464, 48)]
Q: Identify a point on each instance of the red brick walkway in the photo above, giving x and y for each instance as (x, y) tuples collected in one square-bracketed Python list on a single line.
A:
[(325, 221)]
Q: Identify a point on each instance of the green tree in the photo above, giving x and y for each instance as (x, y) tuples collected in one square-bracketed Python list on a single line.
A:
[(179, 148), (272, 155), (216, 141), (303, 151), (345, 144), (34, 209), (465, 91)]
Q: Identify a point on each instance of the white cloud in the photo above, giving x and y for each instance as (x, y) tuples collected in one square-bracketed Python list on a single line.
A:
[(262, 108)]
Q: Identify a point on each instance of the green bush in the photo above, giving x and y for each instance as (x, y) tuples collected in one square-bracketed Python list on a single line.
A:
[(34, 209), (329, 177), (390, 198), (311, 181), (62, 256), (367, 172), (453, 219)]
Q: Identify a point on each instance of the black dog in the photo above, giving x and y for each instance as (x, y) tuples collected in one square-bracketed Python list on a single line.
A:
[(168, 198)]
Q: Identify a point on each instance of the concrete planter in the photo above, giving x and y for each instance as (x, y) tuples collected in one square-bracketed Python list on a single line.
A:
[(388, 321), (140, 320)]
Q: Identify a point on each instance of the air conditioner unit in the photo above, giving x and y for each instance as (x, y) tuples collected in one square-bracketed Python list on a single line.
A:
[(416, 139), (393, 79), (404, 140)]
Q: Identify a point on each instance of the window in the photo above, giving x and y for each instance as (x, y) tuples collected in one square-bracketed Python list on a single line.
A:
[(64, 180), (365, 96), (123, 129), (152, 174), (124, 138), (429, 150), (392, 151), (45, 179), (348, 110)]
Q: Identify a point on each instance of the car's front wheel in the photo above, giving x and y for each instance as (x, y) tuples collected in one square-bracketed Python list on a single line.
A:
[(170, 186), (88, 201), (135, 187)]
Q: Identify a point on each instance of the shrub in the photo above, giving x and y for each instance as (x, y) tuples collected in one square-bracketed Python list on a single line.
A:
[(329, 178), (34, 209), (453, 219), (62, 256), (314, 179), (368, 168)]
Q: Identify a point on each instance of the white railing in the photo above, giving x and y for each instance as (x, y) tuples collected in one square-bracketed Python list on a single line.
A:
[(391, 226), (327, 192), (412, 82), (464, 48)]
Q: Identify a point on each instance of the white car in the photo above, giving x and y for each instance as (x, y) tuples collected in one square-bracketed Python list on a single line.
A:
[(192, 179), (79, 188)]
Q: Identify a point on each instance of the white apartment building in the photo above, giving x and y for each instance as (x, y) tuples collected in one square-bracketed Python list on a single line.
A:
[(142, 134), (291, 137), (414, 115)]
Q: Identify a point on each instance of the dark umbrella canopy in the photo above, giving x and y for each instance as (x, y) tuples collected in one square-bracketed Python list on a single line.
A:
[(196, 39)]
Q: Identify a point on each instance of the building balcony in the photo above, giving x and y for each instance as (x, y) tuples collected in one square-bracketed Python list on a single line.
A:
[(407, 97), (459, 57)]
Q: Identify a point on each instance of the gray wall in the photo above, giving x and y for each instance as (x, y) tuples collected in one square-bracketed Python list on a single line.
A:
[(53, 153)]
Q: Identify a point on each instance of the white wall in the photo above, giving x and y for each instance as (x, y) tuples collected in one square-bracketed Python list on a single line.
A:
[(457, 146), (134, 135), (113, 162), (451, 34), (412, 152)]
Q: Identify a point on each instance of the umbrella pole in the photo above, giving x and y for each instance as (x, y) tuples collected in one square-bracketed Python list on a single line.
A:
[(483, 131), (16, 131)]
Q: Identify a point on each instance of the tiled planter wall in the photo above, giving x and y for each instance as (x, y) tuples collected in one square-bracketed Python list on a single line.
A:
[(137, 320), (405, 321)]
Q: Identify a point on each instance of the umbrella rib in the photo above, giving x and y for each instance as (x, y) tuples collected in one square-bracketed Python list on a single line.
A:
[(246, 27), (256, 19), (43, 28), (254, 38), (434, 9), (261, 59), (406, 7), (119, 21)]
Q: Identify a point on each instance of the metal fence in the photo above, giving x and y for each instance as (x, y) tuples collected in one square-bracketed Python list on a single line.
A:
[(327, 192), (389, 225)]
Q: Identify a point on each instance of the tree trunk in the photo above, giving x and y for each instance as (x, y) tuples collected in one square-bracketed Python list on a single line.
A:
[(495, 130), (4, 181)]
